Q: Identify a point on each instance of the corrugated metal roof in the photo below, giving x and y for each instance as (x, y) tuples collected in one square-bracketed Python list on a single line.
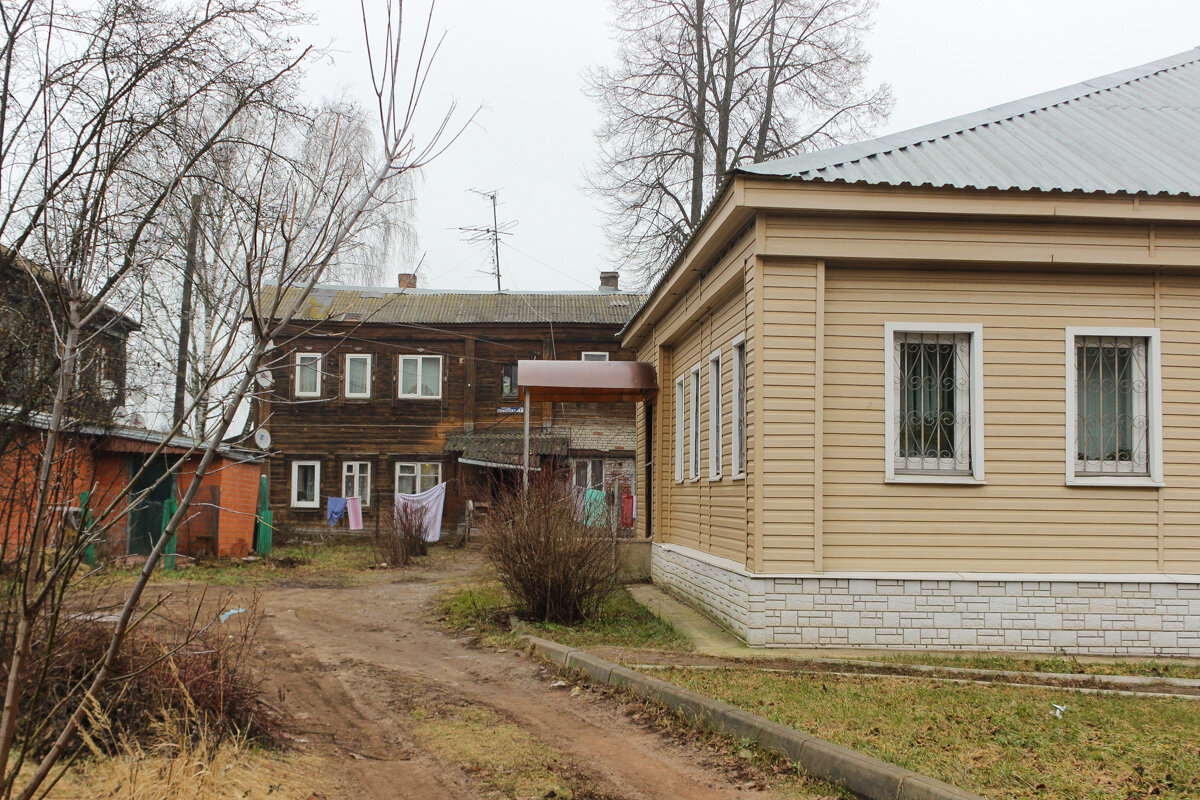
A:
[(451, 307), (1133, 131)]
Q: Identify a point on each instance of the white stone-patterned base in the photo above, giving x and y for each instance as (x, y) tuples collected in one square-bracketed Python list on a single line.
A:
[(1094, 615)]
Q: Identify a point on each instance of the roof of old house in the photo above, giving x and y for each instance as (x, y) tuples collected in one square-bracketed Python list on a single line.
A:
[(455, 307), (1134, 131)]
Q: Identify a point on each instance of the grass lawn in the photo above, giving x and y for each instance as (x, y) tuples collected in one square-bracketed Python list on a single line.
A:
[(622, 621), (1147, 668), (1000, 741)]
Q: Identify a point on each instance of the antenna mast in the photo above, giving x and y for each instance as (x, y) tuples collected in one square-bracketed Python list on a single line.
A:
[(479, 235)]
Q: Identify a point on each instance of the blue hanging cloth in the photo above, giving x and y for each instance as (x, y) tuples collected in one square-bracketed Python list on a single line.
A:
[(335, 510)]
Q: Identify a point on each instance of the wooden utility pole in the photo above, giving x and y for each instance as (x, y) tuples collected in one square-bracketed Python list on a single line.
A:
[(185, 311)]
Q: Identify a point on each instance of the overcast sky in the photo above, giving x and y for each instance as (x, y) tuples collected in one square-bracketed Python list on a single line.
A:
[(521, 64)]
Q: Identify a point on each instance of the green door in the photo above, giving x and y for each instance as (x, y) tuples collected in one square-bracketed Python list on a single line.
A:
[(146, 518)]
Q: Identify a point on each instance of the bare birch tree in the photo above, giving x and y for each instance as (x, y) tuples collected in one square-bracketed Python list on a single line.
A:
[(702, 86), (109, 113)]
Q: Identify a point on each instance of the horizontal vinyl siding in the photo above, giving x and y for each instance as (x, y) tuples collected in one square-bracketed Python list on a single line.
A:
[(1025, 518), (788, 404), (711, 516), (1179, 310)]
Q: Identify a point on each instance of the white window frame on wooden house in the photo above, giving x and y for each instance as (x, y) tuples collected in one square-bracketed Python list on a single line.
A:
[(302, 367), (680, 394), (593, 355), (351, 357), (1136, 427), (715, 411), (419, 471), (356, 477), (593, 473), (694, 423), (315, 502), (740, 423), (419, 393), (942, 446)]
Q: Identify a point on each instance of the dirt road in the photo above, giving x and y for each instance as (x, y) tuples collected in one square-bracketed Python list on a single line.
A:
[(398, 708)]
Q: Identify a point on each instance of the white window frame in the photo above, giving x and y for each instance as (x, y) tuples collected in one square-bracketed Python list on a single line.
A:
[(1153, 408), (694, 423), (320, 358), (715, 411), (400, 377), (346, 466), (584, 355), (739, 407), (346, 378), (416, 465), (316, 501), (680, 394), (593, 481), (892, 400)]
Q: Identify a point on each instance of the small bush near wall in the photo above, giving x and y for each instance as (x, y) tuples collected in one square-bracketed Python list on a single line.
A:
[(402, 537), (554, 566)]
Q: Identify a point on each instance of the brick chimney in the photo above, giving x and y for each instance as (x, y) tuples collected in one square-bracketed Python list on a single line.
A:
[(407, 280), (609, 280)]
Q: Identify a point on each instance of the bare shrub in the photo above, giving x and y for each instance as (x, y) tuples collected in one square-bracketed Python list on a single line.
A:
[(402, 538), (556, 567), (171, 668)]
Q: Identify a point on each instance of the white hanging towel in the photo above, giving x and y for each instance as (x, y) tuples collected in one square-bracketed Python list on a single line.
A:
[(430, 502)]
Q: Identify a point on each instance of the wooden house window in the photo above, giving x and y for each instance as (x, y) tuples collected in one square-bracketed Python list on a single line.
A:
[(306, 484), (934, 403), (356, 480), (308, 374), (594, 356), (679, 437), (414, 478), (421, 376), (589, 473), (358, 376), (739, 407), (508, 381), (1114, 413), (694, 423), (715, 410)]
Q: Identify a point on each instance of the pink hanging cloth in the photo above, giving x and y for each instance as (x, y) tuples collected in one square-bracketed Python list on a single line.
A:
[(354, 512)]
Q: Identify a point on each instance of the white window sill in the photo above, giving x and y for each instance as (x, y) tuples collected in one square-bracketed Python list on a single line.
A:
[(306, 505), (738, 476), (695, 479), (307, 396), (960, 480), (716, 478), (356, 397), (418, 397), (1115, 480)]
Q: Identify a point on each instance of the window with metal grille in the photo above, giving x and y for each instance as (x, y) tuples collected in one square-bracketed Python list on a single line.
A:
[(1112, 389), (934, 405)]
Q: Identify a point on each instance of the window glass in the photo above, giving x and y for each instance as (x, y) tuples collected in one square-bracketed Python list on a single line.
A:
[(1111, 422), (356, 480), (508, 381), (933, 417), (408, 376), (304, 488), (431, 476), (739, 374), (406, 478), (308, 367), (595, 356), (358, 375), (431, 376)]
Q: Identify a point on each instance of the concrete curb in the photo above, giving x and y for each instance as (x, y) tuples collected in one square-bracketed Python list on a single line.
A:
[(862, 774)]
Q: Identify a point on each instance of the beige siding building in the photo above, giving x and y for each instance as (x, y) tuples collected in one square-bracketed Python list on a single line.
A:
[(941, 389)]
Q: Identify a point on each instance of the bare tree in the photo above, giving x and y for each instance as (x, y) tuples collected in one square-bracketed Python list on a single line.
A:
[(702, 86), (109, 114)]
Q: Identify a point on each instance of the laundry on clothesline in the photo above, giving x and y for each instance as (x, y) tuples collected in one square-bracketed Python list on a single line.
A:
[(354, 513), (334, 510), (430, 503)]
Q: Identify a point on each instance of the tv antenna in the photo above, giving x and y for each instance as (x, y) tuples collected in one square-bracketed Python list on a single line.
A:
[(490, 233)]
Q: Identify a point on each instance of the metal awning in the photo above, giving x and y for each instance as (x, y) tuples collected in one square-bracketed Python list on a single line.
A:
[(586, 381)]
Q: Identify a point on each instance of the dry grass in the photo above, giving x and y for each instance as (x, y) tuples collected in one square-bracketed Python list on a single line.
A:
[(1001, 741)]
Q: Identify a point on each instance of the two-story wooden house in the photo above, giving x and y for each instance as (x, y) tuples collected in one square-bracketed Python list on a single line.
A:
[(377, 391)]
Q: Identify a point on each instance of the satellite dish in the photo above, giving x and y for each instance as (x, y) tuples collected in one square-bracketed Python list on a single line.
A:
[(262, 438), (266, 378)]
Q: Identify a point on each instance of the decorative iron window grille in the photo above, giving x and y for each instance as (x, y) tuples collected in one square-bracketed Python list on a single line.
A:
[(933, 412), (1112, 423)]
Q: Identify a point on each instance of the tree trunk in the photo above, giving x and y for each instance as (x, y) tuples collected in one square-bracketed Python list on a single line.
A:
[(698, 118)]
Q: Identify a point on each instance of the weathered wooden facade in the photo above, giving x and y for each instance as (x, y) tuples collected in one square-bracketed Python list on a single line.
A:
[(378, 391), (939, 389)]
